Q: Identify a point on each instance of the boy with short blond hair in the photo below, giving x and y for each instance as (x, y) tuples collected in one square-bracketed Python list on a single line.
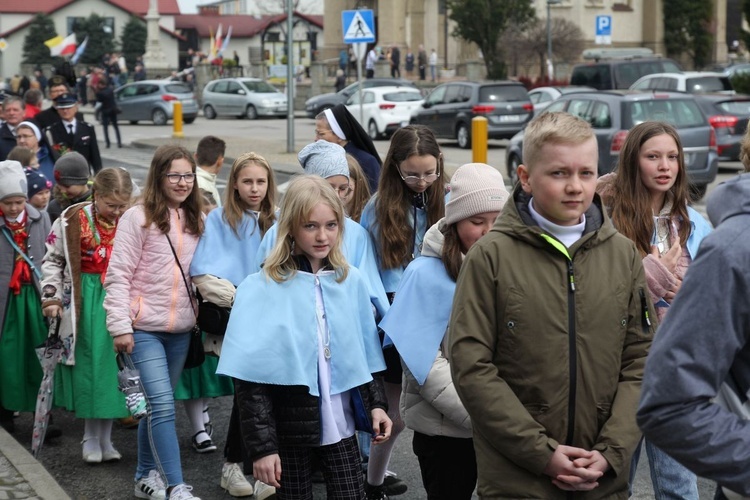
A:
[(550, 329)]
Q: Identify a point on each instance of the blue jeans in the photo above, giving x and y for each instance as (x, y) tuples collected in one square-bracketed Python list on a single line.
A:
[(159, 357), (670, 479)]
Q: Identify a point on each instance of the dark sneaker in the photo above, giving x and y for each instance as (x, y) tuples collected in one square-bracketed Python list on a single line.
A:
[(375, 492)]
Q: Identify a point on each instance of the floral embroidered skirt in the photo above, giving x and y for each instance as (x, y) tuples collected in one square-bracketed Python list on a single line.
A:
[(89, 388), (23, 330)]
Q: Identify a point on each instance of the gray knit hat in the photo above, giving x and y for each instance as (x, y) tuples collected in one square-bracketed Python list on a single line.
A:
[(325, 159), (72, 169), (12, 179), (476, 188)]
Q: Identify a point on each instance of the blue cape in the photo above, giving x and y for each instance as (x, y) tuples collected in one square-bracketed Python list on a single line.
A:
[(222, 254), (272, 336), (358, 252), (419, 315)]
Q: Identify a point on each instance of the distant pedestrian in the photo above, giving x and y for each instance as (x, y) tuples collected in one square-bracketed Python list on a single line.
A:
[(409, 62), (34, 100), (73, 134), (14, 109), (340, 80), (155, 242), (433, 64), (395, 62), (371, 59), (422, 62), (109, 110)]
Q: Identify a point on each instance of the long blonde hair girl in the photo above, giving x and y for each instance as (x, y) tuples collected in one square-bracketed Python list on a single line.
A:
[(303, 194), (361, 194)]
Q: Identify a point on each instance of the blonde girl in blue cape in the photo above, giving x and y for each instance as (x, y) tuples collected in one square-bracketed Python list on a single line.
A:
[(302, 345), (225, 256)]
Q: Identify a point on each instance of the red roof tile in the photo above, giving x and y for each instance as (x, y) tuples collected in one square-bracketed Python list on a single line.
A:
[(140, 7), (243, 26)]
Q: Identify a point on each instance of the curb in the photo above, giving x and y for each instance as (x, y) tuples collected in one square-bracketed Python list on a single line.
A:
[(41, 481)]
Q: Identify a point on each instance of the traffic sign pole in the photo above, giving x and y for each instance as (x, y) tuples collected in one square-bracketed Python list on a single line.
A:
[(359, 30)]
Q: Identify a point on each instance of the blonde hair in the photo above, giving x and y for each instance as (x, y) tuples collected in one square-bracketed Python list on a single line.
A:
[(235, 207), (115, 182), (745, 150), (303, 194), (553, 128), (361, 194)]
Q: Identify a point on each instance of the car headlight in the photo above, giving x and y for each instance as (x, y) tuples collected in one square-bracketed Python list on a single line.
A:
[(265, 102)]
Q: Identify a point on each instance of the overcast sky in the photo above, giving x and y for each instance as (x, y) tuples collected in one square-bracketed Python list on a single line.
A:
[(189, 6)]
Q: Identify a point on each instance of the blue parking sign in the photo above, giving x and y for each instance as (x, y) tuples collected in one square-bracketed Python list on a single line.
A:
[(603, 25)]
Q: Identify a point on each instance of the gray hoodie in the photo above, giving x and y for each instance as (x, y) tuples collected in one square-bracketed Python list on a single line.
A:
[(704, 338)]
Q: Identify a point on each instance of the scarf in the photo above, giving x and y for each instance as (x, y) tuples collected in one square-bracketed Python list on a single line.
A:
[(21, 270)]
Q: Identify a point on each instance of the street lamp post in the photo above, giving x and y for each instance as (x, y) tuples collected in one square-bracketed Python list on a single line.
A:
[(550, 68)]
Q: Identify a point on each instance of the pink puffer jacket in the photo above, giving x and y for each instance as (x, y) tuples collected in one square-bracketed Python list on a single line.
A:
[(144, 286)]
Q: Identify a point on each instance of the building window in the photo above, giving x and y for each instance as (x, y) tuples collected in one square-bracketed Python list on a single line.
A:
[(77, 23), (273, 37)]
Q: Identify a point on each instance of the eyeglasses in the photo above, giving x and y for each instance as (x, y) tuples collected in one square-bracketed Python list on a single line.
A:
[(24, 136), (413, 180), (176, 178)]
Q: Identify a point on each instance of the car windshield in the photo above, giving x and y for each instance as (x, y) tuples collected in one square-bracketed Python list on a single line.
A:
[(707, 84), (178, 88), (499, 93), (681, 113), (402, 96), (260, 87)]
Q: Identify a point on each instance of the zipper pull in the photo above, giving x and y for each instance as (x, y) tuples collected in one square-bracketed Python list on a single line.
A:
[(571, 276), (644, 306)]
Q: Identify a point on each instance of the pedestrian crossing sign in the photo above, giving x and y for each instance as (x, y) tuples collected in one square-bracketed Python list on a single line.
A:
[(359, 26)]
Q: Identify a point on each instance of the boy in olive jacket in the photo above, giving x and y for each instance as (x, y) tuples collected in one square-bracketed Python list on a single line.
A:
[(550, 329)]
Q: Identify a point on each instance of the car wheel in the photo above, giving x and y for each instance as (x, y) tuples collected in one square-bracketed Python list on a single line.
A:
[(251, 113), (209, 112), (159, 117), (513, 163), (134, 122), (697, 191), (372, 130), (189, 120), (463, 137)]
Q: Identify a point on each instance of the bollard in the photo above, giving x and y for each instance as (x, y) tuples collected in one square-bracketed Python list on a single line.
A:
[(479, 139), (177, 120)]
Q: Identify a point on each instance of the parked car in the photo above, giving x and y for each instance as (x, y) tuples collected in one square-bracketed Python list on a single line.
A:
[(736, 69), (153, 100), (319, 103), (613, 113), (450, 107), (608, 74), (728, 115), (385, 109), (249, 97), (693, 82), (541, 97)]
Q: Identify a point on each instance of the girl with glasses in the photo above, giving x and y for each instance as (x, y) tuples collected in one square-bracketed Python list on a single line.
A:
[(410, 198), (431, 408), (151, 309), (78, 252)]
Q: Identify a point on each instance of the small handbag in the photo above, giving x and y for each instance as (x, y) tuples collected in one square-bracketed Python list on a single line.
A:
[(196, 356), (213, 320)]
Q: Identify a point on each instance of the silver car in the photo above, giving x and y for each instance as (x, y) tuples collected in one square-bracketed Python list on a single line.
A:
[(250, 97), (154, 100)]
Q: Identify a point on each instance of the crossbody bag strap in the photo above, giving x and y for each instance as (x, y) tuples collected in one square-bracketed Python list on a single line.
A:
[(184, 279), (15, 246)]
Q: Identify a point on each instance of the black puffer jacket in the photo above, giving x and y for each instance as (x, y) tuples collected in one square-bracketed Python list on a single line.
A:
[(271, 415)]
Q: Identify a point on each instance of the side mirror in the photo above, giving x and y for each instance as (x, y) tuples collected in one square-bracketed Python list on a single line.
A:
[(426, 105), (241, 92)]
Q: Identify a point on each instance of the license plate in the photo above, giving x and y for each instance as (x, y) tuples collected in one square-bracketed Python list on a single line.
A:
[(188, 102), (510, 118)]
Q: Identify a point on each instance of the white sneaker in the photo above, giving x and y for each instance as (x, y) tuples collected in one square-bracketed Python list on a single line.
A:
[(182, 492), (263, 491), (151, 487), (234, 481)]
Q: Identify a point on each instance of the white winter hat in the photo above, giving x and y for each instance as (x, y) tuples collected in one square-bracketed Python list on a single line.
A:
[(476, 188), (12, 179)]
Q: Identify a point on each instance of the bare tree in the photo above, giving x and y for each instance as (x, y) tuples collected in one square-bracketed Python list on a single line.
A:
[(531, 44)]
